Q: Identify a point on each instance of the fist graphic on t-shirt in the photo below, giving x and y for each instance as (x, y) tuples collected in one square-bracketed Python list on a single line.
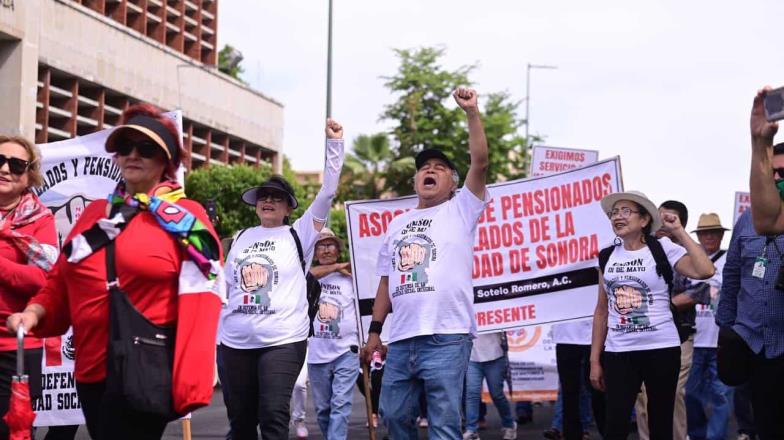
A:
[(327, 312), (254, 276), (627, 298), (410, 255)]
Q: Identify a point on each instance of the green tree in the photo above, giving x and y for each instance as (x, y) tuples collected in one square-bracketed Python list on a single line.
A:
[(225, 65), (425, 116), (225, 185), (364, 171)]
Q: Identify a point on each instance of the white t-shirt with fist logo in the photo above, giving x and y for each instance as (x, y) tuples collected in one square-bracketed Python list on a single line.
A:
[(335, 325), (267, 298), (427, 255), (707, 335), (639, 300)]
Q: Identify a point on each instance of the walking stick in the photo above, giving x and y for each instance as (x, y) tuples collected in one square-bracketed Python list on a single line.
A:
[(186, 429), (368, 401)]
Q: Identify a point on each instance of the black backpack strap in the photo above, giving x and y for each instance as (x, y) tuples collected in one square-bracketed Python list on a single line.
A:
[(299, 250), (234, 240), (663, 267), (111, 269), (604, 256), (718, 255)]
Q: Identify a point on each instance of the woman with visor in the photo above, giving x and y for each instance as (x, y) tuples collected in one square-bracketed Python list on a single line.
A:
[(167, 261)]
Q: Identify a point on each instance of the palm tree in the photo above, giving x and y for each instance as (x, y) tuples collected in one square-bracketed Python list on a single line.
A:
[(368, 166)]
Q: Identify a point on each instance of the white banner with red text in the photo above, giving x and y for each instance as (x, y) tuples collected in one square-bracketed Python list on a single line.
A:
[(532, 368), (535, 248), (742, 203), (551, 160)]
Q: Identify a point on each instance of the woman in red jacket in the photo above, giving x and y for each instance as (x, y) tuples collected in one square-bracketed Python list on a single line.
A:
[(28, 249), (167, 260)]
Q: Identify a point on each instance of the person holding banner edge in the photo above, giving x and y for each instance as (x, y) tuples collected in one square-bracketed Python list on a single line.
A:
[(425, 265), (265, 326), (635, 340), (167, 262), (28, 250)]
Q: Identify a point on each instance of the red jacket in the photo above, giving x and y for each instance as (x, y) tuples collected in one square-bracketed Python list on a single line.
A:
[(148, 264), (19, 281)]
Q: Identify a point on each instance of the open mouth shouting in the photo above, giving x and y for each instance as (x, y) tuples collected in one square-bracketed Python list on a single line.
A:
[(429, 182)]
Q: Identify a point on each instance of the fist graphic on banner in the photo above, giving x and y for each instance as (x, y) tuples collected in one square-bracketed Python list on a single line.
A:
[(254, 276), (411, 255), (627, 299)]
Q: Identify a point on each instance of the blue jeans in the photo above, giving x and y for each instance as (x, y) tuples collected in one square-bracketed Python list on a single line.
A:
[(704, 388), (585, 409), (332, 384), (495, 372), (434, 365)]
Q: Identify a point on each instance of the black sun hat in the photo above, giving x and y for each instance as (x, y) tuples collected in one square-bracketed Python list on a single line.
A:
[(274, 183)]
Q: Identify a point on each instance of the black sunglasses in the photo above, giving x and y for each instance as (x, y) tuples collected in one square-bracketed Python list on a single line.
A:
[(275, 196), (15, 165), (779, 171), (146, 149)]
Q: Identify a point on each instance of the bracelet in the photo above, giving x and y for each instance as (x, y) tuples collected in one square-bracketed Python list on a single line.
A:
[(375, 327)]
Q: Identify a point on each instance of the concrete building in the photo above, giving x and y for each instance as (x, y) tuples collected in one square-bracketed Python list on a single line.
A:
[(70, 67)]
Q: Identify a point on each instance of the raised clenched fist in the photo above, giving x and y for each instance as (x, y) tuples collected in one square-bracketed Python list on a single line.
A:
[(254, 276), (627, 299), (410, 256), (466, 99), (333, 129)]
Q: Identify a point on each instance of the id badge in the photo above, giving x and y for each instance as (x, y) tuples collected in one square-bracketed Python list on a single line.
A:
[(760, 264)]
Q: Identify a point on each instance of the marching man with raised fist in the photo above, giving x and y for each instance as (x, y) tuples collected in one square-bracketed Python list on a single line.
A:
[(425, 268)]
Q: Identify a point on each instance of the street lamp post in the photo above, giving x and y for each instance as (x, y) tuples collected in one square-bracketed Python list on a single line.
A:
[(329, 62), (530, 66)]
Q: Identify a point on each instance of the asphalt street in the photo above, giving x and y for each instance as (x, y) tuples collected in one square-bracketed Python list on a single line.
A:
[(211, 423)]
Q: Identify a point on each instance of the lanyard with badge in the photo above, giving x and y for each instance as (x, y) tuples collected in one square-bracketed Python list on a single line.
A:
[(761, 262)]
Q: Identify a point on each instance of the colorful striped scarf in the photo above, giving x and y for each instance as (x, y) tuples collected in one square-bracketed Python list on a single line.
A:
[(193, 235)]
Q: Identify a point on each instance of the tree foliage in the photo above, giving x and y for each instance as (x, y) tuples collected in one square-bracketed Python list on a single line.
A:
[(225, 66), (424, 115), (225, 185), (364, 172)]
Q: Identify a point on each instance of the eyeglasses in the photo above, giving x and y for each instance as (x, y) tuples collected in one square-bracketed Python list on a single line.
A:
[(15, 165), (621, 212), (274, 197), (325, 246), (146, 149)]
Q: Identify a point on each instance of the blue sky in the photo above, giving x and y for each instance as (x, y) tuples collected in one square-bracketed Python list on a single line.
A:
[(666, 85)]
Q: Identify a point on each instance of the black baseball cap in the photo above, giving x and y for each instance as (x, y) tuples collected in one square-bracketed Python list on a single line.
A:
[(274, 183), (432, 153)]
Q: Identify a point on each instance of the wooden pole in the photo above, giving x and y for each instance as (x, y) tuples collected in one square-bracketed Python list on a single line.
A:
[(186, 429), (368, 401)]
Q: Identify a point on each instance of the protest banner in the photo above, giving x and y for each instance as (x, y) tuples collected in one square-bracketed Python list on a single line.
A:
[(551, 160), (76, 171), (535, 248), (532, 366), (742, 203)]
